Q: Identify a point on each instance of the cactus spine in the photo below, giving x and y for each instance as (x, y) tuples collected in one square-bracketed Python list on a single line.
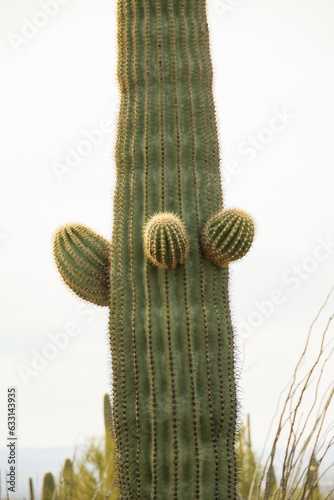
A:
[(174, 392)]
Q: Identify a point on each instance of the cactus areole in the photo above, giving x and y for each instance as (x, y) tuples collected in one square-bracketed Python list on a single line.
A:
[(165, 274)]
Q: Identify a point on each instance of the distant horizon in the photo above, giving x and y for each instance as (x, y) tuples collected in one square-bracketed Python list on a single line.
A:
[(42, 460)]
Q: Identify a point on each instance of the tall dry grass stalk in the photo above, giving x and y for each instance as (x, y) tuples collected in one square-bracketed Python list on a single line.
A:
[(302, 431)]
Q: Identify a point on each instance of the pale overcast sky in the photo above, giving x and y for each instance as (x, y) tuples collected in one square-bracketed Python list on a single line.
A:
[(274, 80)]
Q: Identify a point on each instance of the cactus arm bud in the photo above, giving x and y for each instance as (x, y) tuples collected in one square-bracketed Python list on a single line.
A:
[(165, 240), (82, 258), (227, 236)]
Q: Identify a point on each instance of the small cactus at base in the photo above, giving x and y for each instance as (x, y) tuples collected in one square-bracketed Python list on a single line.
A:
[(49, 487), (165, 240), (67, 475), (227, 236), (31, 489), (312, 481)]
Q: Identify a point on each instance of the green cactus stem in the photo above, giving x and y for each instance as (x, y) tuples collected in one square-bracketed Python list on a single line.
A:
[(82, 258), (165, 240), (174, 407), (311, 488), (31, 489), (67, 475), (49, 487), (227, 236), (272, 482)]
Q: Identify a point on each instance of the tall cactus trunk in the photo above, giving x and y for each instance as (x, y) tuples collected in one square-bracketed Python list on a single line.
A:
[(165, 275), (174, 406)]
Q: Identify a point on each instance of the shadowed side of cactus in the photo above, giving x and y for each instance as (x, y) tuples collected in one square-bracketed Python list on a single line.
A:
[(174, 408), (49, 487)]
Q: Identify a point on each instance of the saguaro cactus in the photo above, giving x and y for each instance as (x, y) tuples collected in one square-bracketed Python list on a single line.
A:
[(172, 346)]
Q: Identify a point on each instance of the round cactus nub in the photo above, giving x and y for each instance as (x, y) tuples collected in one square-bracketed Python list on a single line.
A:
[(82, 258), (227, 236), (165, 240)]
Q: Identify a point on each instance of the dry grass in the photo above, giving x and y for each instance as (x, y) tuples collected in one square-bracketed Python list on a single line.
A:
[(301, 430)]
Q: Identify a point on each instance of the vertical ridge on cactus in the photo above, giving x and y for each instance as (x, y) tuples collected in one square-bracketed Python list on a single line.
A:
[(174, 407)]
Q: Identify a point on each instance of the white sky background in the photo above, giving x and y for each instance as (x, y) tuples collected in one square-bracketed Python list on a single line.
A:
[(268, 57)]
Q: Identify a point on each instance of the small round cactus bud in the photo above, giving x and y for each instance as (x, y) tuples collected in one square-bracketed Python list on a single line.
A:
[(227, 236), (165, 240)]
